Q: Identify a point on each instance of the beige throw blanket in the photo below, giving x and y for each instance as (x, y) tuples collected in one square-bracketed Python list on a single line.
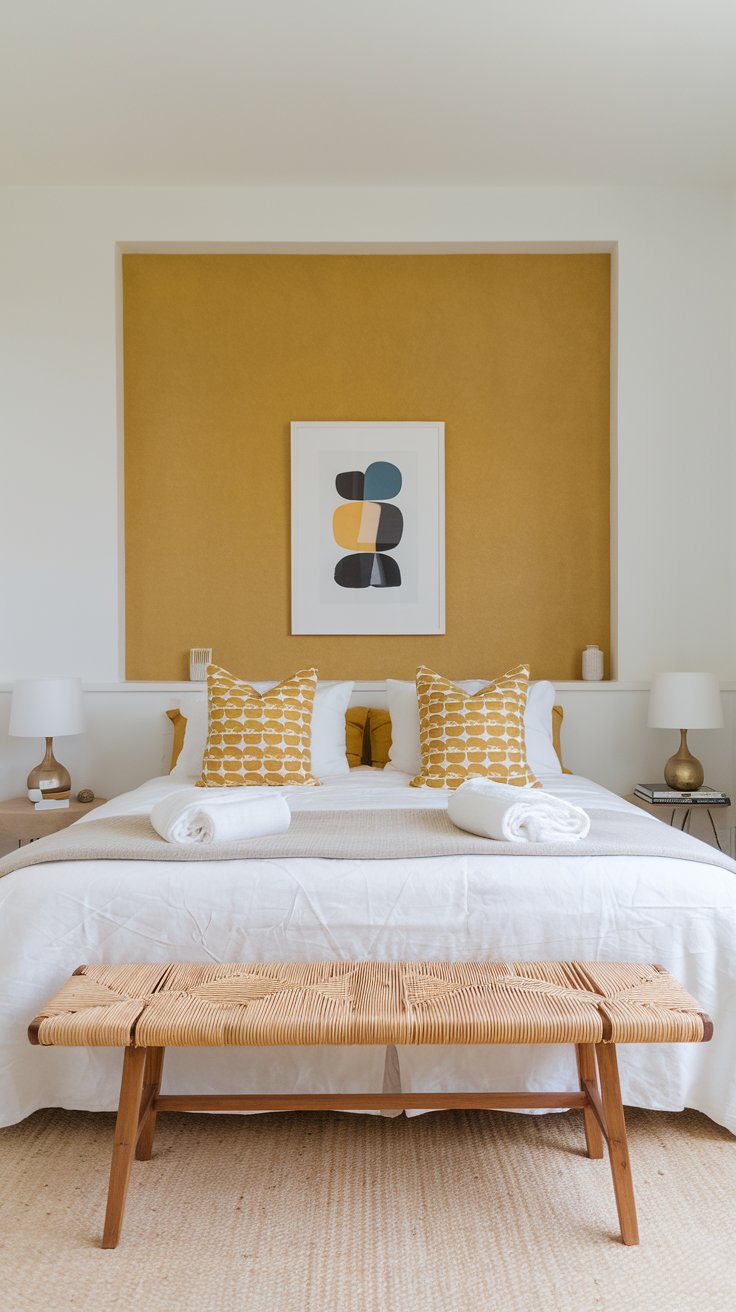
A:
[(361, 836)]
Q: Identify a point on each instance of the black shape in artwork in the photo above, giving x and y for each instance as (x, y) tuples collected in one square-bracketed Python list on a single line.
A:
[(390, 527), (350, 484), (367, 569), (354, 571)]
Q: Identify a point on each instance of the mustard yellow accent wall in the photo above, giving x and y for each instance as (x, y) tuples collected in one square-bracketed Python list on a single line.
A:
[(222, 352)]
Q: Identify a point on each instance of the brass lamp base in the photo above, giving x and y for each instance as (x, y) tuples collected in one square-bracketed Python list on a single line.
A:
[(683, 772), (52, 778)]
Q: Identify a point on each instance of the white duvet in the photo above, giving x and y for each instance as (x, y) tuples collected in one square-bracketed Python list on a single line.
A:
[(677, 913)]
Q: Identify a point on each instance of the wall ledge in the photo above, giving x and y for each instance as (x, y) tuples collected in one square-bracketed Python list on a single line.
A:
[(361, 685)]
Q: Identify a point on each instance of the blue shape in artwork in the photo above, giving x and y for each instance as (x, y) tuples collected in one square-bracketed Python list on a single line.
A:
[(385, 572), (376, 579), (382, 481)]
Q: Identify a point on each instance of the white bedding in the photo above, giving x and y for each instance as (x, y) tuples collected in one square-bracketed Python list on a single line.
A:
[(678, 913)]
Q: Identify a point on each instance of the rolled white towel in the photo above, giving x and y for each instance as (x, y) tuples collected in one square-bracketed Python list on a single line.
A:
[(519, 815), (223, 815)]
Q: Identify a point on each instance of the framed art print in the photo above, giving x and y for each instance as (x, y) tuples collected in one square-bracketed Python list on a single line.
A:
[(367, 528)]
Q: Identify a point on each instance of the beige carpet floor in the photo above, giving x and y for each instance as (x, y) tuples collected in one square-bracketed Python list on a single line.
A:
[(333, 1213)]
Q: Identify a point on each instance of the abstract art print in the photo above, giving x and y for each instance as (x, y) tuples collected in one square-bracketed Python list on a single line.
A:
[(367, 528)]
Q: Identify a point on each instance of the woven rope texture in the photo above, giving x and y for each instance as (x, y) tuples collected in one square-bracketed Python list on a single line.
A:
[(370, 1002)]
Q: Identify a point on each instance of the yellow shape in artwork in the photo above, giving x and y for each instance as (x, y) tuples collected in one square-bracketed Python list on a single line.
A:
[(355, 525)]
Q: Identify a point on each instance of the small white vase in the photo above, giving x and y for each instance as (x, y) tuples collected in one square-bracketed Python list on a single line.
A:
[(593, 662)]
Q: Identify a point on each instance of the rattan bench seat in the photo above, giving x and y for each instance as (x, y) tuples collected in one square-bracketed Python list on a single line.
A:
[(593, 1005), (369, 1002)]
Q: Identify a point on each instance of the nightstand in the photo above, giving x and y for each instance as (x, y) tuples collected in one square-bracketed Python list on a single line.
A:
[(20, 822), (667, 811)]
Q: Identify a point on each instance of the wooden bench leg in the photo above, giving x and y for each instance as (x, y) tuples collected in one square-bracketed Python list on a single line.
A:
[(585, 1053), (618, 1148), (151, 1086), (126, 1134)]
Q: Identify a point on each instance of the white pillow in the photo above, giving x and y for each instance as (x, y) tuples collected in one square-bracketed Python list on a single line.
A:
[(405, 754), (540, 749), (328, 731)]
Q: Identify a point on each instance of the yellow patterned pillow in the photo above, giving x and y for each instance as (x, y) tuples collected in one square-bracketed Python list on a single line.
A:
[(463, 734), (258, 738)]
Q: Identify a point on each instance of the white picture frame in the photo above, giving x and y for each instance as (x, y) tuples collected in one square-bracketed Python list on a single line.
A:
[(346, 586)]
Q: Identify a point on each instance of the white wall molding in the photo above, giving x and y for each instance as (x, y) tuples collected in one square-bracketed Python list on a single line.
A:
[(604, 686)]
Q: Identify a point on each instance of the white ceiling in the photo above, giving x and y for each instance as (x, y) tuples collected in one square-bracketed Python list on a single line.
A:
[(381, 92)]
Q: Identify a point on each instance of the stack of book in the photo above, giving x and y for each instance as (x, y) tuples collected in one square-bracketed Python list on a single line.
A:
[(653, 793)]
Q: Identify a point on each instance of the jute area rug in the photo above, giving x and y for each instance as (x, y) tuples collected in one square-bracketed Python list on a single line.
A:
[(466, 1211)]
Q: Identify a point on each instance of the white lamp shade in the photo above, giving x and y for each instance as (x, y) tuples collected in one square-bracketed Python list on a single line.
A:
[(46, 708), (685, 701)]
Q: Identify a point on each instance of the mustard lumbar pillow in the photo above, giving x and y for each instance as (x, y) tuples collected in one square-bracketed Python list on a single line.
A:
[(463, 734), (258, 738)]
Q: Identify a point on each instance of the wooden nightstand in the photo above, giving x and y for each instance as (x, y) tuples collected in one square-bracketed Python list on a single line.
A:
[(681, 816), (20, 822)]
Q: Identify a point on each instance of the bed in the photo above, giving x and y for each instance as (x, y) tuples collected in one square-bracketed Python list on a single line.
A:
[(679, 913)]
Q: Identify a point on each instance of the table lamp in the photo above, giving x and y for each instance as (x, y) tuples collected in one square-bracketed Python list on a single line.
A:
[(47, 708), (678, 699)]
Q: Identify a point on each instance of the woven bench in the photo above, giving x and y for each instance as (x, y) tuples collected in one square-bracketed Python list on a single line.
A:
[(146, 1008)]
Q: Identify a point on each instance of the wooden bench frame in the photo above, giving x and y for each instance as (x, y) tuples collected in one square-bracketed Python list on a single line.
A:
[(592, 1006), (599, 1099)]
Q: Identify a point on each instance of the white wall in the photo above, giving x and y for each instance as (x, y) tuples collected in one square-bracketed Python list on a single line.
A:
[(128, 737), (604, 736), (674, 553)]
